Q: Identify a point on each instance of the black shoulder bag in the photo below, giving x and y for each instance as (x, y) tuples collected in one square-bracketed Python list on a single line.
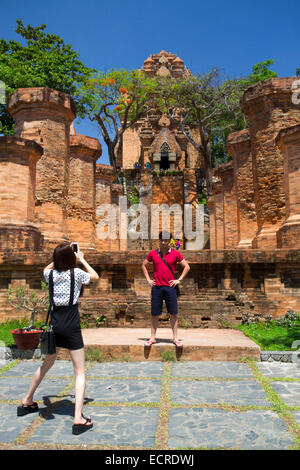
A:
[(47, 337), (168, 266)]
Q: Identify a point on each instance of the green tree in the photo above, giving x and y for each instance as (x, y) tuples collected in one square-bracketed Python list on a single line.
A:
[(298, 72), (44, 61), (237, 121), (212, 105), (117, 100), (261, 72), (202, 101)]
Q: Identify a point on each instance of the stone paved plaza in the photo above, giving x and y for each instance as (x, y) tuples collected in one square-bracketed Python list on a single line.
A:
[(156, 405)]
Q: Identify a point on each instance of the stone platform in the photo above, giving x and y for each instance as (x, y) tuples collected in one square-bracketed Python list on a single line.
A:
[(198, 344)]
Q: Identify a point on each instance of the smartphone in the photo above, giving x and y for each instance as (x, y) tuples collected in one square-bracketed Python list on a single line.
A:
[(75, 247)]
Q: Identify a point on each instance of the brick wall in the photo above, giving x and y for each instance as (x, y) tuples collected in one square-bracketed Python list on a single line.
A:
[(269, 107), (220, 288)]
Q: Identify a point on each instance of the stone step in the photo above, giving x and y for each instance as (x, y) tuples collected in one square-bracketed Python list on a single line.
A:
[(198, 344)]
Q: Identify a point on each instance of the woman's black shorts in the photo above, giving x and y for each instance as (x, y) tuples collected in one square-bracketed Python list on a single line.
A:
[(66, 326)]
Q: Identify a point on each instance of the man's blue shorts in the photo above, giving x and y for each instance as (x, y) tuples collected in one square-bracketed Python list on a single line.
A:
[(160, 293)]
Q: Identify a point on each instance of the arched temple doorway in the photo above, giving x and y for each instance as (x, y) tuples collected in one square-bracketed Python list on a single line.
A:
[(164, 157)]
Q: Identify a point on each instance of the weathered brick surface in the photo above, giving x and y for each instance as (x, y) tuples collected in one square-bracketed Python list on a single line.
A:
[(218, 226), (288, 141), (269, 107), (106, 193), (168, 190), (229, 202), (45, 115), (70, 189), (84, 151), (238, 145), (18, 159), (222, 285)]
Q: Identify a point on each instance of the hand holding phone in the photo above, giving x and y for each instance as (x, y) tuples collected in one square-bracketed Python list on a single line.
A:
[(75, 247)]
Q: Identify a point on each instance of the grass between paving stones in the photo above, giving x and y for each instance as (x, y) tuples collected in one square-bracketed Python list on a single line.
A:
[(8, 366), (278, 405), (164, 406), (162, 429)]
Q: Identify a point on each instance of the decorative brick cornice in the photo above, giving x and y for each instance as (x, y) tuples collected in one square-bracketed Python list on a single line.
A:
[(86, 145), (42, 97), (273, 88), (10, 145)]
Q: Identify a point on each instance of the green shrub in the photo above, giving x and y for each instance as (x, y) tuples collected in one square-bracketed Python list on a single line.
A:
[(272, 335)]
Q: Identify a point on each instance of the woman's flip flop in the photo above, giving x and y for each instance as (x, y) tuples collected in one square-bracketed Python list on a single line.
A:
[(23, 410), (80, 428), (178, 343)]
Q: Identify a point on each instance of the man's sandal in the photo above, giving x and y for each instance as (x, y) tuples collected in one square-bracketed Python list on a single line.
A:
[(178, 343), (80, 428), (23, 410), (149, 342)]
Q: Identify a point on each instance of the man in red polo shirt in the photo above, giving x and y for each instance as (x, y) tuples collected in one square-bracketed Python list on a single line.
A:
[(164, 284)]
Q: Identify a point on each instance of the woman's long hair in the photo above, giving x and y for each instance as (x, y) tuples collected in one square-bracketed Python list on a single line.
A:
[(64, 258)]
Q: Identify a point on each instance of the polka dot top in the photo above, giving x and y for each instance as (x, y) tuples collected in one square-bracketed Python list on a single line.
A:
[(62, 285)]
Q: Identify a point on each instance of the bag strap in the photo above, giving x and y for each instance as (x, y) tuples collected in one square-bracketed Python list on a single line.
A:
[(51, 293), (72, 288), (166, 263), (51, 301)]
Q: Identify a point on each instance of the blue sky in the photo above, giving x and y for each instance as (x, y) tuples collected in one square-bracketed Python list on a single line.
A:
[(233, 35)]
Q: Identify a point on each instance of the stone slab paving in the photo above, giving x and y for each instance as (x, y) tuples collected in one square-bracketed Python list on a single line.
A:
[(13, 388), (10, 426), (211, 369), (280, 370), (210, 428), (112, 425), (128, 369), (288, 391), (28, 368), (155, 405), (296, 415), (244, 393), (121, 391)]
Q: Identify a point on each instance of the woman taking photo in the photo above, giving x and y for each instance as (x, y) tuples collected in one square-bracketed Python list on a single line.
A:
[(67, 283)]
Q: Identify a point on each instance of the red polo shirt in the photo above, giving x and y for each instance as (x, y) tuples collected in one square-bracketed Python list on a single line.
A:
[(161, 272)]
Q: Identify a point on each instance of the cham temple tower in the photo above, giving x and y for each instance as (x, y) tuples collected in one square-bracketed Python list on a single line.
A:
[(53, 191)]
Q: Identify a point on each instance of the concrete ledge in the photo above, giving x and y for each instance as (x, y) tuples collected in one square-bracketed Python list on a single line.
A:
[(198, 344), (280, 356), (8, 353)]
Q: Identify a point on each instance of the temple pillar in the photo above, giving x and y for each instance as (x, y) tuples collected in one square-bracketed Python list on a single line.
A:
[(44, 115), (18, 159), (238, 146), (84, 152), (191, 198), (212, 222), (288, 141), (230, 229), (107, 221), (218, 195), (269, 107), (145, 198)]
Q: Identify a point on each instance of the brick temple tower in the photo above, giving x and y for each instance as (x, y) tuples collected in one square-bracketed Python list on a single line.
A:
[(155, 139)]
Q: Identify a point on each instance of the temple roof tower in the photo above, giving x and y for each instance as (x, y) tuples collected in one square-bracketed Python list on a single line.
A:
[(165, 64)]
